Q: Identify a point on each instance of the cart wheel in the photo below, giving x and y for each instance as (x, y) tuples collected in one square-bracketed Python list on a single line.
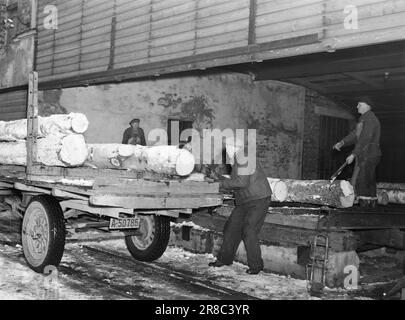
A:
[(153, 242), (43, 233)]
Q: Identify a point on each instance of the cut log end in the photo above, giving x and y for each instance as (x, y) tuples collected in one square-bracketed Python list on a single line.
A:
[(279, 190), (74, 150), (347, 188), (185, 163), (79, 122)]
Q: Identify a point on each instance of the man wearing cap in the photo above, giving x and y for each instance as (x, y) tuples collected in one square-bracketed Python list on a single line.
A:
[(134, 134), (367, 154), (252, 200)]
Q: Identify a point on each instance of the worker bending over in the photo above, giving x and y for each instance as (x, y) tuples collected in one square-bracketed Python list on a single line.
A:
[(252, 200)]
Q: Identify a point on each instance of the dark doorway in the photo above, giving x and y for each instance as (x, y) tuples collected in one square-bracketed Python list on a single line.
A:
[(332, 130)]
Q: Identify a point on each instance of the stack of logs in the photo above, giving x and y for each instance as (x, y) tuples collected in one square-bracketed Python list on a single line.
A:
[(60, 142)]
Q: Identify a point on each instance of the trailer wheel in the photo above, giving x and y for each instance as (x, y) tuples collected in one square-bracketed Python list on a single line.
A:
[(43, 233), (153, 241)]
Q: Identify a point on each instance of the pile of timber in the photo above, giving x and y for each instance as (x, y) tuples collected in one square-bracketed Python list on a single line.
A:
[(60, 143), (391, 192)]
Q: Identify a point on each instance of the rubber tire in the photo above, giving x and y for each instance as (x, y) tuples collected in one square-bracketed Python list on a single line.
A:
[(56, 244), (158, 246)]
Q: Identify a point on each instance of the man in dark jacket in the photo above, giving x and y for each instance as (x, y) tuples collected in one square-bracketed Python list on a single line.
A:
[(134, 134), (367, 154), (252, 199)]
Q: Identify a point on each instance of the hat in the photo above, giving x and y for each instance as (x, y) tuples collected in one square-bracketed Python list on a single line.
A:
[(134, 121)]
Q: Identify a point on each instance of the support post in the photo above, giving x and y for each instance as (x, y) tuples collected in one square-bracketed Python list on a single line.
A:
[(32, 121)]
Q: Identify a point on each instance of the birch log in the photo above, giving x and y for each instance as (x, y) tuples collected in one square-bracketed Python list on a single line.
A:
[(339, 194), (395, 196), (53, 150), (159, 159), (62, 124)]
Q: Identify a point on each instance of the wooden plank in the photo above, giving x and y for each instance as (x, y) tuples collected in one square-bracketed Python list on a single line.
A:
[(68, 195), (308, 221), (27, 188), (126, 186), (84, 206), (149, 202)]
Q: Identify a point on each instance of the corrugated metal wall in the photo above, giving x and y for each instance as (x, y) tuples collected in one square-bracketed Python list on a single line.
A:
[(100, 35), (280, 19), (13, 105)]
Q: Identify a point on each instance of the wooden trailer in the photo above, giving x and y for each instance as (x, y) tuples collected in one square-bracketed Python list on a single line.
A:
[(58, 203)]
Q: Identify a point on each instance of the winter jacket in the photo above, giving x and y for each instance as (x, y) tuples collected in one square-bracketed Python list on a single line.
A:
[(366, 136), (247, 187)]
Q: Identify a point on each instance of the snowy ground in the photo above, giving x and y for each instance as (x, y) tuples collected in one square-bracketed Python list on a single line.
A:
[(105, 270)]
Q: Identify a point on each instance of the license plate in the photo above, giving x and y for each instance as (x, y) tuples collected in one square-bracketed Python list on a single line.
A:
[(124, 223)]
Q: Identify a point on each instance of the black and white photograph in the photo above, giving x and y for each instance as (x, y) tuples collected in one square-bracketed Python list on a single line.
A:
[(202, 155)]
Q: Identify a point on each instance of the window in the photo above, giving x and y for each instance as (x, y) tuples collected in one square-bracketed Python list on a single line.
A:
[(175, 129)]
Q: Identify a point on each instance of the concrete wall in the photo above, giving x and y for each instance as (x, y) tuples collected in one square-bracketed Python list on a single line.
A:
[(216, 101)]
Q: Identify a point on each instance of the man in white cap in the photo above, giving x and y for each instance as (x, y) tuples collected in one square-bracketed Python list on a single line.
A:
[(252, 199), (367, 154)]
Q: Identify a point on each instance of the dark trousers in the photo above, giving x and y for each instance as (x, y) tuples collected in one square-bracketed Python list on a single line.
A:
[(245, 224), (364, 177)]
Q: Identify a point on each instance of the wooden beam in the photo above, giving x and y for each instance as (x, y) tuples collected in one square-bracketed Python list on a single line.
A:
[(200, 61), (308, 221), (280, 235), (366, 219), (393, 238), (32, 121), (364, 79), (156, 202), (252, 22)]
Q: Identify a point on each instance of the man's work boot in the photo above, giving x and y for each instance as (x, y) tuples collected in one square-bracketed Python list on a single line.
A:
[(372, 203), (363, 203), (217, 264), (254, 271)]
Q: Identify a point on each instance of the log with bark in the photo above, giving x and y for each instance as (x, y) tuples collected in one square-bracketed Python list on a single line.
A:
[(339, 194), (53, 150), (58, 124), (395, 196), (160, 159)]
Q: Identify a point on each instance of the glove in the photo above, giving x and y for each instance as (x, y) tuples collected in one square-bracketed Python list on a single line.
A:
[(338, 145), (350, 159)]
